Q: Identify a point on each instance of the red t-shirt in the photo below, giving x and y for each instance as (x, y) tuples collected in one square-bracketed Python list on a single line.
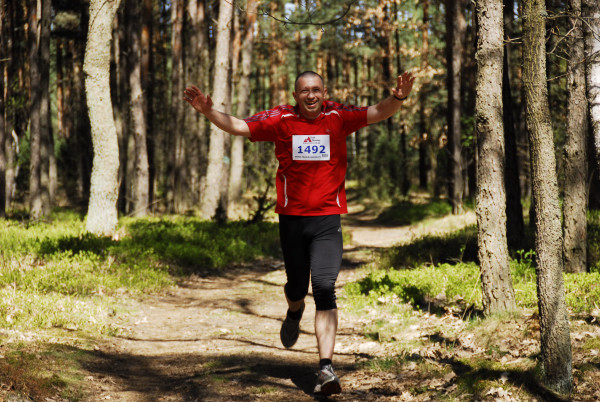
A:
[(312, 155)]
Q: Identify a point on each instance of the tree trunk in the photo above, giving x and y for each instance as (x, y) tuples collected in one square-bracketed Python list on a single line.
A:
[(175, 168), (36, 203), (3, 54), (591, 9), (237, 145), (576, 169), (195, 70), (48, 179), (514, 208), (498, 293), (424, 165), (141, 178), (455, 31), (102, 211), (147, 66), (214, 194), (556, 358)]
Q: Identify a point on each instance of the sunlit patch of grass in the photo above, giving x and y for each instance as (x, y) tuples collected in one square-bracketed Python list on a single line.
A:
[(43, 371), (384, 364), (407, 213), (441, 248), (262, 390), (456, 284), (591, 344), (457, 287)]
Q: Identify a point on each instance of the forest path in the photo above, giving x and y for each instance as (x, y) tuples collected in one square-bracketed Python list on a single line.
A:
[(217, 339)]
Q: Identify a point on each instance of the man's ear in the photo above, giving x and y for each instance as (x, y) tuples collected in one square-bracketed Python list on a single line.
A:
[(325, 93), (295, 96)]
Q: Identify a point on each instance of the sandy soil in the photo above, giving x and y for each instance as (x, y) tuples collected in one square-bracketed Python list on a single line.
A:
[(217, 339)]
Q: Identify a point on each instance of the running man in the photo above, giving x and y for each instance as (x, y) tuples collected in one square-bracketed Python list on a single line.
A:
[(310, 145)]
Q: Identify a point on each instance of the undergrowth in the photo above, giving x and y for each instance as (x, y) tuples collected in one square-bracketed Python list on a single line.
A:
[(53, 274)]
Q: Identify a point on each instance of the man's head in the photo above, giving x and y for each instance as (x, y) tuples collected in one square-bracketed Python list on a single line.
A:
[(310, 93)]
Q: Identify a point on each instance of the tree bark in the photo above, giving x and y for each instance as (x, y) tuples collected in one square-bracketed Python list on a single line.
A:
[(556, 357), (48, 179), (424, 165), (3, 54), (515, 225), (591, 10), (102, 210), (36, 203), (455, 32), (141, 179), (576, 170), (195, 70), (147, 66), (237, 144), (214, 194), (498, 293), (175, 165)]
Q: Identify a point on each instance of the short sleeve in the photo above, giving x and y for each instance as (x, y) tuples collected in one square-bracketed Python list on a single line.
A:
[(263, 126), (354, 117)]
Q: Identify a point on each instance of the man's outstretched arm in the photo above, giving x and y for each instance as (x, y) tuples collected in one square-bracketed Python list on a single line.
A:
[(390, 105), (203, 104)]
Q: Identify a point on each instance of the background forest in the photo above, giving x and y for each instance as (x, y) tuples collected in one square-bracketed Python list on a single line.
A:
[(501, 120), (161, 46)]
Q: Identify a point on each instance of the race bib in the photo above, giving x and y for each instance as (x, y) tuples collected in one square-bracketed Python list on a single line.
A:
[(311, 147)]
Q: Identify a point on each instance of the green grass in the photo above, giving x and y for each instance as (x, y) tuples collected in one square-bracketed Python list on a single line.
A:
[(407, 213), (444, 248), (44, 371), (457, 286), (55, 275)]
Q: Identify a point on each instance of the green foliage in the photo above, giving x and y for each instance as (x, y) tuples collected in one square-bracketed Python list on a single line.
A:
[(456, 284), (593, 218), (51, 272), (406, 213), (39, 373), (444, 248)]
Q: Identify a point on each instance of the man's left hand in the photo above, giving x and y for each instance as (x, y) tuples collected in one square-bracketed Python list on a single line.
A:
[(404, 85)]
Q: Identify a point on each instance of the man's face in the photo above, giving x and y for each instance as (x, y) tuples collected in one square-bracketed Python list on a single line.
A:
[(309, 96)]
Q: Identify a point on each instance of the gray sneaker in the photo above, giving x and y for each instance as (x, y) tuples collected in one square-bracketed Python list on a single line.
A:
[(327, 382), (290, 329)]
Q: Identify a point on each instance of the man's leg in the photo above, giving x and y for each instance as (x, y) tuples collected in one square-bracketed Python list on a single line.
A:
[(297, 269), (294, 306), (326, 260), (326, 322)]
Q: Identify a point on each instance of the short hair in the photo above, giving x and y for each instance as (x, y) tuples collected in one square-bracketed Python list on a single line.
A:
[(307, 74)]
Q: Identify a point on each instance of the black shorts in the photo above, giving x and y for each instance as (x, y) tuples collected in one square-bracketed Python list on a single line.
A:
[(312, 251)]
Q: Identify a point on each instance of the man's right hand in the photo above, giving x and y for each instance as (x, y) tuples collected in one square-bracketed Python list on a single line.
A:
[(197, 99)]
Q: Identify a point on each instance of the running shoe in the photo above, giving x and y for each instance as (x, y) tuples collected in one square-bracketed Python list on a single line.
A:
[(327, 382), (290, 329)]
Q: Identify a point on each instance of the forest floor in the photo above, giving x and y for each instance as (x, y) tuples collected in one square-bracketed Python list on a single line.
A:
[(217, 339)]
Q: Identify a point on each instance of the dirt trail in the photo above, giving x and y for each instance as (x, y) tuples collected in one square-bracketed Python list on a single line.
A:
[(217, 339)]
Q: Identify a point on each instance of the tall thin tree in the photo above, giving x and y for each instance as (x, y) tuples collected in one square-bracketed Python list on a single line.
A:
[(237, 144), (498, 293), (2, 114), (141, 179), (514, 208), (455, 31), (215, 189), (591, 13), (556, 357), (576, 169), (36, 203), (102, 210)]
